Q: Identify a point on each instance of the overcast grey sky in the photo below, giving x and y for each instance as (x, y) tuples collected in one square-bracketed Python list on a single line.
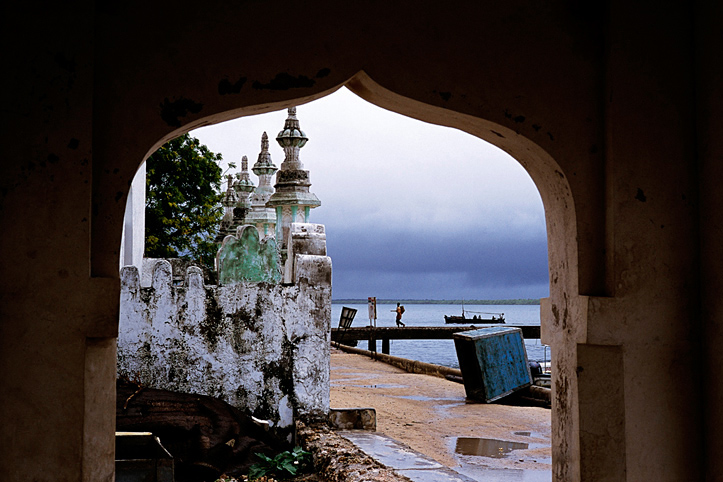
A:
[(412, 210)]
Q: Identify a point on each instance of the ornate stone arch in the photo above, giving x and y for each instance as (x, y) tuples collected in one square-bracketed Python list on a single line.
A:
[(560, 313)]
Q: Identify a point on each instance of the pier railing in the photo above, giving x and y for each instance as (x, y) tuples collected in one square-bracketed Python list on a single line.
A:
[(387, 333)]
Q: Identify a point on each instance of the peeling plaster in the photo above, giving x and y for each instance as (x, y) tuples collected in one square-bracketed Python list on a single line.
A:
[(640, 196), (261, 347), (284, 81), (226, 87), (173, 111)]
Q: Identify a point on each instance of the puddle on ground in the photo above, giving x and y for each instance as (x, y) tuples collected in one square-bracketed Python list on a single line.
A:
[(423, 398), (487, 447), (349, 382), (382, 385), (360, 375), (347, 377)]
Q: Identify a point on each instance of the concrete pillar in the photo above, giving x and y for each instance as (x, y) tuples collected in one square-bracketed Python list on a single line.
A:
[(133, 239), (641, 338), (57, 323), (709, 122)]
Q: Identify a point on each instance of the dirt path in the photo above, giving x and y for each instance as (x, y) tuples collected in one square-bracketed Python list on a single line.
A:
[(430, 413)]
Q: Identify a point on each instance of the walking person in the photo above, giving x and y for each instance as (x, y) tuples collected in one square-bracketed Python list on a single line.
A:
[(400, 311)]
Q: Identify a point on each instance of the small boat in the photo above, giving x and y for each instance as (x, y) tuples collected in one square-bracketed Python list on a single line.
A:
[(464, 319)]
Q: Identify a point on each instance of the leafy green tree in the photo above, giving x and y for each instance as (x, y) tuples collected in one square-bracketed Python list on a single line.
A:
[(182, 201)]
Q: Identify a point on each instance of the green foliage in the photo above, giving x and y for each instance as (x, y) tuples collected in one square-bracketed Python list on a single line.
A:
[(182, 201), (285, 463)]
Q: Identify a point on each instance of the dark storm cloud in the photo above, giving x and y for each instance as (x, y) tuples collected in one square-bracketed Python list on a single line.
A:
[(411, 210), (506, 259)]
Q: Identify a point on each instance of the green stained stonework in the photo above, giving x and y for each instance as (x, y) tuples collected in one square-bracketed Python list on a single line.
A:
[(245, 258)]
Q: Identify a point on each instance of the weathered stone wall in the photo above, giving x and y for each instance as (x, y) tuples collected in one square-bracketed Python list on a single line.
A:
[(260, 347)]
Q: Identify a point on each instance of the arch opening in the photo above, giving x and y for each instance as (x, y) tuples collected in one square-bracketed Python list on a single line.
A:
[(546, 174)]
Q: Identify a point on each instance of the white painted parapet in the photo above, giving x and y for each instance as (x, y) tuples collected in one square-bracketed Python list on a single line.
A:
[(304, 239), (260, 347)]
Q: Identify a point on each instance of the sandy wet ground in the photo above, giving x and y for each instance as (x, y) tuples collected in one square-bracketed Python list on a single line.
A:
[(431, 415)]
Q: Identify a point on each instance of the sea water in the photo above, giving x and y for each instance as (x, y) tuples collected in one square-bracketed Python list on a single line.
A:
[(441, 352)]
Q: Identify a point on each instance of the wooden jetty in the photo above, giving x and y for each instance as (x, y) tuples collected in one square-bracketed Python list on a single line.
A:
[(387, 333)]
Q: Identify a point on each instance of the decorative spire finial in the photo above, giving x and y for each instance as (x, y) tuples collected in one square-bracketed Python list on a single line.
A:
[(244, 183), (265, 168), (264, 161), (292, 199), (291, 139)]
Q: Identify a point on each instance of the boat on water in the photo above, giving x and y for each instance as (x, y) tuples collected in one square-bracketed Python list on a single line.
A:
[(476, 318)]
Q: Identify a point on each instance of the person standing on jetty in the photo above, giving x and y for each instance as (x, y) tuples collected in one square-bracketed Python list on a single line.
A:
[(400, 311)]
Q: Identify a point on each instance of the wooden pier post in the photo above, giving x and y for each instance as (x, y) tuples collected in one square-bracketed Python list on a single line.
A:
[(372, 342)]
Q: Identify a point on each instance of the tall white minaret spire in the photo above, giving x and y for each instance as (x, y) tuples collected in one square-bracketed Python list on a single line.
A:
[(244, 186), (261, 216), (292, 199), (229, 201)]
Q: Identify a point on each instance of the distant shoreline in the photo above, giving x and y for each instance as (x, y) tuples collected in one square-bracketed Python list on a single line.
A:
[(519, 301)]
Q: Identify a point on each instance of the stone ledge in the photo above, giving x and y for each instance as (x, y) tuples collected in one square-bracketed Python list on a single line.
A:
[(336, 459), (353, 419)]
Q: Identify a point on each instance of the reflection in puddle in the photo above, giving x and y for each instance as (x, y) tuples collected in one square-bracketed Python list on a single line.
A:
[(487, 447)]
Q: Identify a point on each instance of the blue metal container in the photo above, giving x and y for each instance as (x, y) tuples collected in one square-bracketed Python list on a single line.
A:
[(493, 362)]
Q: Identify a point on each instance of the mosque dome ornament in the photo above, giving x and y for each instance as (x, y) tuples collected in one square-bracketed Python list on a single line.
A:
[(261, 216), (264, 165), (230, 197), (291, 199), (291, 139), (244, 182)]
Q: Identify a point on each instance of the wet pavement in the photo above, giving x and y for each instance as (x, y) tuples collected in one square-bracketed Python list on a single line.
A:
[(428, 431), (420, 468), (402, 458)]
